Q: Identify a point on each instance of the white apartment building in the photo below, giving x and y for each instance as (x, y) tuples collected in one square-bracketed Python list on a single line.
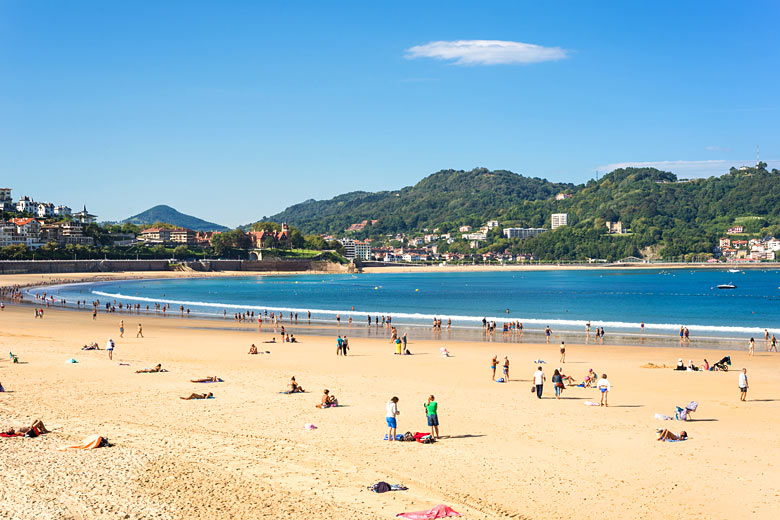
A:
[(558, 219), (44, 209), (474, 236), (6, 202), (7, 233), (492, 224), (26, 205), (62, 211), (523, 233), (356, 249)]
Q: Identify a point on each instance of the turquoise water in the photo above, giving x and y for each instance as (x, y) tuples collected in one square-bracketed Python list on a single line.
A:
[(617, 300)]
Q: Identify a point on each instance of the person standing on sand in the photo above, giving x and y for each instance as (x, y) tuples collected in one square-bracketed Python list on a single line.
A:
[(94, 314), (493, 365), (751, 346), (743, 385), (506, 369), (110, 348), (344, 346), (539, 381), (557, 381), (547, 332), (773, 344), (390, 416), (642, 326), (432, 413), (604, 386), (563, 352), (121, 328), (339, 344), (140, 333), (766, 340)]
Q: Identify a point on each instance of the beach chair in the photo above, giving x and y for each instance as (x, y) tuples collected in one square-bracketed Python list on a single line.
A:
[(14, 357), (684, 413)]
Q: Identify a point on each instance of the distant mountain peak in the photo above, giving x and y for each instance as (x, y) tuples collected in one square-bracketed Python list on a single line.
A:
[(168, 215)]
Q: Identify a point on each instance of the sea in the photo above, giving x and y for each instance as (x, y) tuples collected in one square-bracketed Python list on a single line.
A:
[(618, 300)]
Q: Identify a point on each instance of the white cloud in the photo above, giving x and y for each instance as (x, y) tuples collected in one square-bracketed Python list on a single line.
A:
[(688, 169), (717, 149), (486, 52)]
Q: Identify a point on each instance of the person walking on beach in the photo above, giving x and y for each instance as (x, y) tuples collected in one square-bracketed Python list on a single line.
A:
[(339, 344), (563, 352), (493, 365), (506, 369), (743, 385), (604, 386), (773, 344), (94, 313), (766, 340), (547, 333), (539, 381), (344, 346), (110, 348), (121, 328), (751, 346), (140, 333), (557, 381), (390, 416), (432, 413)]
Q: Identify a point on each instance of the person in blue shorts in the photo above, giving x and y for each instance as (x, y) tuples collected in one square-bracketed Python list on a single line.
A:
[(390, 416), (432, 412)]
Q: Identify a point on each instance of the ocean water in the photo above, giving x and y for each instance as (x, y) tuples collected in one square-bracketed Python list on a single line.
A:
[(617, 300)]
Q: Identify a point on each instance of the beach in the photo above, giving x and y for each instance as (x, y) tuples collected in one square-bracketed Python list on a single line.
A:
[(245, 453)]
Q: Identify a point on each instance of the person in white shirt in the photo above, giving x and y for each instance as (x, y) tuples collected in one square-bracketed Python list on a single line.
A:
[(110, 348), (743, 385), (539, 381), (392, 412), (603, 386)]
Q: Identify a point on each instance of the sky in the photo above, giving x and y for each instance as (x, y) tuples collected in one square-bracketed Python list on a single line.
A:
[(231, 111)]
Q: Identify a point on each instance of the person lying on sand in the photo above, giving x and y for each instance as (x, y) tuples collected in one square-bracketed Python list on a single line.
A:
[(293, 387), (198, 396), (327, 400), (666, 435), (273, 340), (212, 379), (91, 346), (157, 368), (253, 349), (37, 427)]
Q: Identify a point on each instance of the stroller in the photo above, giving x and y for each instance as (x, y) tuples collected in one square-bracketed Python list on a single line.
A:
[(684, 413), (723, 364)]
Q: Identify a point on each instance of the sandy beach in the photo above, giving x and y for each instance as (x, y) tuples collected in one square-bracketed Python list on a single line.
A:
[(245, 453)]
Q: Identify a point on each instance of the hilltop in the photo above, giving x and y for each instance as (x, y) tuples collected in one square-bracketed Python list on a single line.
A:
[(169, 215)]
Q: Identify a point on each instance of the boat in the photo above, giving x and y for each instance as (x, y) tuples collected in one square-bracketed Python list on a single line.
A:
[(734, 271), (727, 286)]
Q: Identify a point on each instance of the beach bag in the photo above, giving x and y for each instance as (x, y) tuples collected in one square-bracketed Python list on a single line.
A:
[(380, 487), (408, 437), (533, 388), (427, 440)]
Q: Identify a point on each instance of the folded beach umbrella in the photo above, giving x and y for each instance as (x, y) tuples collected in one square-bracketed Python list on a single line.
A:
[(440, 511)]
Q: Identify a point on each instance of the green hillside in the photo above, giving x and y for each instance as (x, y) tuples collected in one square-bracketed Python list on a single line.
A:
[(168, 215), (667, 218)]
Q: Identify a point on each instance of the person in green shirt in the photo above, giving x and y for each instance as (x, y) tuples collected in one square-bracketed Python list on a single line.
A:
[(431, 410)]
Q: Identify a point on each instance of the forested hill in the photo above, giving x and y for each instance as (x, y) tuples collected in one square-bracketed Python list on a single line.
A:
[(169, 215), (667, 217), (446, 196)]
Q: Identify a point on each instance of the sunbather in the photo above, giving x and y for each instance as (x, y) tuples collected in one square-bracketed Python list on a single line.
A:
[(253, 349), (293, 387), (157, 368), (91, 346), (327, 400), (666, 435), (212, 379), (272, 340), (198, 396), (37, 427)]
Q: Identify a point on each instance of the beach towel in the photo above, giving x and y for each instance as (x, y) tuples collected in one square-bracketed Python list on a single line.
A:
[(309, 426), (71, 360), (219, 380), (539, 362), (11, 434), (398, 437), (88, 443), (663, 417), (384, 487), (440, 511), (500, 380), (675, 440), (591, 403)]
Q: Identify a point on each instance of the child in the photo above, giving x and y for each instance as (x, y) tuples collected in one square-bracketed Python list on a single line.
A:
[(604, 386)]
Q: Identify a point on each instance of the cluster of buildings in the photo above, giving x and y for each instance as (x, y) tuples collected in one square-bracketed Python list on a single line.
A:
[(42, 224), (754, 249), (43, 210)]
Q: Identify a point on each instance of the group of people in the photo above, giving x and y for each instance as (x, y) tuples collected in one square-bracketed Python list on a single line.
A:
[(559, 379), (431, 407)]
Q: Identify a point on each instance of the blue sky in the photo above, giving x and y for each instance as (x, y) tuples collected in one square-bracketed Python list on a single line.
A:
[(234, 110)]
